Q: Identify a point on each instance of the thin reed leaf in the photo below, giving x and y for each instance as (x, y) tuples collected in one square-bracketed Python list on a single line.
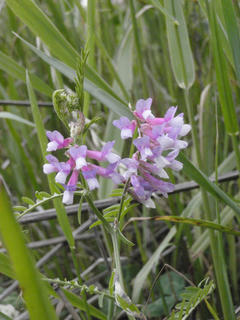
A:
[(34, 292), (179, 45)]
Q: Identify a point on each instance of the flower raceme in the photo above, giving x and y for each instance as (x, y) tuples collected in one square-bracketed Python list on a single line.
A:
[(157, 147)]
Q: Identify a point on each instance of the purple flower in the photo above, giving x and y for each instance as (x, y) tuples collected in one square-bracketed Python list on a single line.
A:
[(89, 174), (132, 167), (159, 185), (143, 145), (70, 188), (143, 109), (78, 154), (54, 165), (57, 141), (105, 154), (126, 126)]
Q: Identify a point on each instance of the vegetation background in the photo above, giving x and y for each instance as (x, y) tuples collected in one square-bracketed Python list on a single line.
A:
[(184, 53)]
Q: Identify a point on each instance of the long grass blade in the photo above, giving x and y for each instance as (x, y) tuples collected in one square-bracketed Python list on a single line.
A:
[(34, 292)]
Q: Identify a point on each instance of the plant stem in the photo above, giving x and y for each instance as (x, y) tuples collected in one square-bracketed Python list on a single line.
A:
[(117, 254)]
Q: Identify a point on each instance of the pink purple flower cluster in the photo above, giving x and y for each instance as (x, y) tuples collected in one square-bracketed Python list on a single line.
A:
[(158, 144)]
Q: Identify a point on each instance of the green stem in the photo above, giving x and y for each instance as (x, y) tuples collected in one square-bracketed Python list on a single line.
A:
[(98, 213), (117, 255)]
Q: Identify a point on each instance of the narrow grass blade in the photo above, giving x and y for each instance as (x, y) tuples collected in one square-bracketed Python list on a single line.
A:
[(197, 175), (12, 116), (222, 75), (199, 223), (179, 45), (157, 5), (232, 29), (100, 94), (41, 25), (61, 213), (34, 292), (11, 67), (6, 267)]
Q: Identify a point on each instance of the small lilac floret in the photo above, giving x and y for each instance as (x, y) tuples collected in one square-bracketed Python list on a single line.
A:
[(54, 165), (89, 174), (143, 109), (126, 126), (79, 154), (143, 145), (132, 167), (70, 188), (57, 141), (105, 154)]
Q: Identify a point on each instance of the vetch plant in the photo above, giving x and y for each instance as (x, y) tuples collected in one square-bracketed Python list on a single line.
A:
[(158, 144)]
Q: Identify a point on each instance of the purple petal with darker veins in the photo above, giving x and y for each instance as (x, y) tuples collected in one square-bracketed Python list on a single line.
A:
[(55, 136)]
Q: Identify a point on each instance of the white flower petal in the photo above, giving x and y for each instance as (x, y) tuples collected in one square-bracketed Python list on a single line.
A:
[(61, 177), (112, 157), (92, 183), (165, 142), (185, 130), (147, 114), (48, 168), (80, 162), (52, 146), (126, 133), (67, 197)]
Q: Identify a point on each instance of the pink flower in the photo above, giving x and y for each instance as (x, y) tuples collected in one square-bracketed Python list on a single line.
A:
[(105, 154), (57, 141), (126, 126)]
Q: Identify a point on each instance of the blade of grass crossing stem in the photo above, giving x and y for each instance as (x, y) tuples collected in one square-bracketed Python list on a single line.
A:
[(34, 292), (104, 97), (42, 26), (179, 45), (223, 82), (11, 67), (61, 213), (198, 176)]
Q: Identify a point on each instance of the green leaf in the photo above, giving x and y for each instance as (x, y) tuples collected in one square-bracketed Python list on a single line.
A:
[(100, 94), (6, 267), (198, 176), (8, 65), (179, 45), (232, 29), (12, 116), (28, 200), (222, 74), (199, 223), (34, 293), (41, 25)]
